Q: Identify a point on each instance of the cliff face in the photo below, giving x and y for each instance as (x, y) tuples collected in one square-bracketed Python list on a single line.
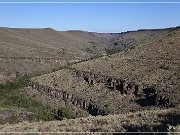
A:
[(153, 67), (143, 76), (88, 106), (140, 95), (126, 87)]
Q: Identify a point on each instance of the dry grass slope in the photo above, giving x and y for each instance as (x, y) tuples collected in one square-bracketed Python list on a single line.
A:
[(146, 121), (37, 50), (155, 64), (147, 57)]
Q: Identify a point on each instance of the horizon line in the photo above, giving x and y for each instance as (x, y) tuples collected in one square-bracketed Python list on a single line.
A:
[(59, 30), (78, 2)]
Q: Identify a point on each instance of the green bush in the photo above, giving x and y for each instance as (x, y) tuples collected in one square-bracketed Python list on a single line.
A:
[(115, 43), (164, 66), (64, 112), (12, 118), (132, 47), (89, 50), (42, 112), (10, 96), (18, 83), (112, 51)]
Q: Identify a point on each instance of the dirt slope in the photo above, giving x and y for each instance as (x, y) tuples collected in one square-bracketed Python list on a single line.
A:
[(145, 121), (107, 85), (148, 59), (45, 43), (37, 50)]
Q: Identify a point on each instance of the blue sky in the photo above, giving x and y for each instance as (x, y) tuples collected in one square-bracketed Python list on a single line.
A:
[(90, 17)]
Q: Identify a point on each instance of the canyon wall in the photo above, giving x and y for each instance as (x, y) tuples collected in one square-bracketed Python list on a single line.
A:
[(73, 98), (112, 83), (151, 96)]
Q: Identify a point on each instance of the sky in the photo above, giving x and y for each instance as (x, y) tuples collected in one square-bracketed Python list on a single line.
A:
[(108, 18)]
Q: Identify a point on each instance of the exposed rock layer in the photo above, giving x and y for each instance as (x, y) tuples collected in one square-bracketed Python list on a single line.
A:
[(123, 86)]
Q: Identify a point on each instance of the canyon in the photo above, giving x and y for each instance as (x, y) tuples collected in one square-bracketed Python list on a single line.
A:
[(112, 75)]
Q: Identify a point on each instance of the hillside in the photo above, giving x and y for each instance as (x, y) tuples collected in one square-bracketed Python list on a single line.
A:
[(142, 77), (15, 115), (37, 50), (131, 76), (153, 65), (43, 50), (146, 121)]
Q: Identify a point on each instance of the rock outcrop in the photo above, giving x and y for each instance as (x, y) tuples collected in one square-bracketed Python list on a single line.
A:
[(150, 95), (112, 83), (76, 100)]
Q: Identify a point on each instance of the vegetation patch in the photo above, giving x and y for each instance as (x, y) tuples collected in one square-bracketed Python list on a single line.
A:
[(10, 96), (89, 50), (164, 66), (112, 51), (64, 112), (13, 118)]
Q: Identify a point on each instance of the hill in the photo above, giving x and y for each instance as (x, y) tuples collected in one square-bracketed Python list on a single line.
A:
[(138, 78), (151, 66), (38, 50), (43, 50), (146, 121), (134, 73)]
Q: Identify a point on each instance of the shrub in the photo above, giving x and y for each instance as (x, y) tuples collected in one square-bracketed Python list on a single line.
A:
[(42, 112), (64, 112), (115, 44), (18, 83), (88, 50), (164, 66), (10, 95), (112, 51), (132, 47), (12, 118)]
